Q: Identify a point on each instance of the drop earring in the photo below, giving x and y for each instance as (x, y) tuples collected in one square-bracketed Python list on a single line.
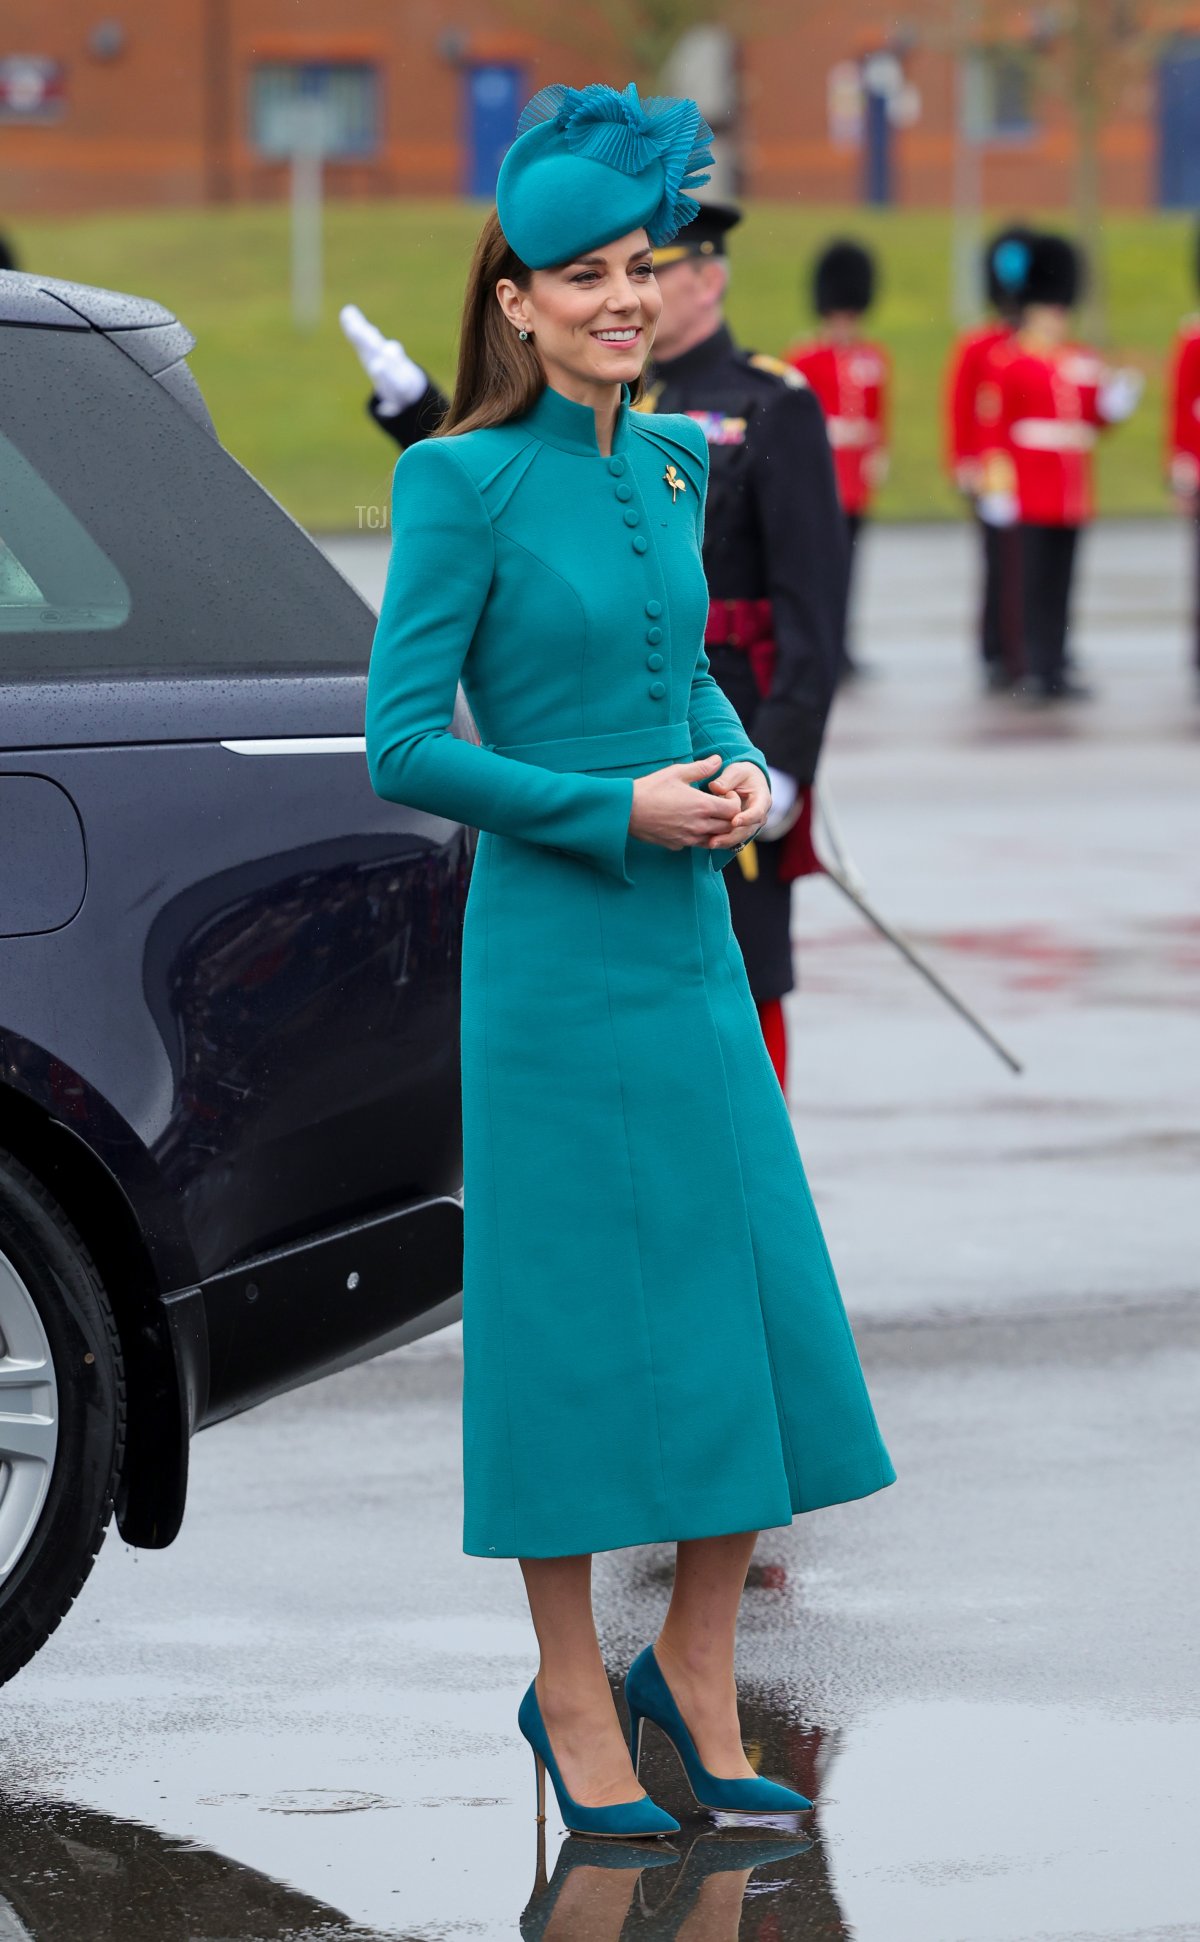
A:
[(524, 336)]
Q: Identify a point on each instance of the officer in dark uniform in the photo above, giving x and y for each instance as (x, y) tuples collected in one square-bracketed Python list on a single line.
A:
[(774, 555)]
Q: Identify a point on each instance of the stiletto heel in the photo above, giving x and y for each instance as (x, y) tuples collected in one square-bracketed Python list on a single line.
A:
[(649, 1697), (635, 1741), (628, 1820)]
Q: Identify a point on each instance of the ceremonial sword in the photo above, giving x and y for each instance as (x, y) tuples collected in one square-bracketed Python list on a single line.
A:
[(842, 872)]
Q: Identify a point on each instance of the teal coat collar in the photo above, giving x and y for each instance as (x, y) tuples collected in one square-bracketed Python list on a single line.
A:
[(559, 421)]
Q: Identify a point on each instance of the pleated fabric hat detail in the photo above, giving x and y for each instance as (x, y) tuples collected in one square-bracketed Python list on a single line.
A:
[(589, 164)]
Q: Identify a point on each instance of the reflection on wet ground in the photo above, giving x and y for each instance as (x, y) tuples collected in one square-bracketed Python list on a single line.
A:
[(69, 1874), (702, 1887)]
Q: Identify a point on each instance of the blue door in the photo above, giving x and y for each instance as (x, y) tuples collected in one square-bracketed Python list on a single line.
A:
[(1179, 126), (492, 106), (877, 149)]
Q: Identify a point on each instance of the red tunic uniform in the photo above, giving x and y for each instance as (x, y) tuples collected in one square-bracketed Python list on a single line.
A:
[(1183, 412), (851, 383), (1040, 413), (965, 377)]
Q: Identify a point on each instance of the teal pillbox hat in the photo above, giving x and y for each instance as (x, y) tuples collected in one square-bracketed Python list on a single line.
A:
[(590, 163)]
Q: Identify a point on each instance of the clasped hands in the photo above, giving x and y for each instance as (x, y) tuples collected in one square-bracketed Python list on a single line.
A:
[(670, 811)]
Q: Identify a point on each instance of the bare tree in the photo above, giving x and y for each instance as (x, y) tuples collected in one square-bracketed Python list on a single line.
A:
[(1091, 54), (642, 33)]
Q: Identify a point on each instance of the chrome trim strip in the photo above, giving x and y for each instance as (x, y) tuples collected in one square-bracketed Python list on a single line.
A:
[(301, 745)]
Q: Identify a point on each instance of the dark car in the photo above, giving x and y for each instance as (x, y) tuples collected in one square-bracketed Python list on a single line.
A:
[(230, 1133)]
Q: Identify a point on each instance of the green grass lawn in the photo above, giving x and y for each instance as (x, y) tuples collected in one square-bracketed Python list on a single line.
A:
[(289, 404)]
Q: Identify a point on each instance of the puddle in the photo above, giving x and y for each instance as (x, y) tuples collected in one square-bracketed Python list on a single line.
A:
[(939, 1822), (954, 1822), (70, 1874)]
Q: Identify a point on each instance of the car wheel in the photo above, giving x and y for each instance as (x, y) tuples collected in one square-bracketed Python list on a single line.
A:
[(62, 1414)]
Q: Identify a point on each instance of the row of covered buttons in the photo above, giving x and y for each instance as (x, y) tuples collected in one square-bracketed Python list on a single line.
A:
[(655, 661), (632, 517), (631, 514), (654, 634)]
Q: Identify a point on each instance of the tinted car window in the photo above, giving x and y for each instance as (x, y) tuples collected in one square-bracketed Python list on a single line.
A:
[(52, 573), (122, 514)]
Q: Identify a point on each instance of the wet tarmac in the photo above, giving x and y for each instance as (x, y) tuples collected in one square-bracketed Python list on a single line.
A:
[(299, 1721)]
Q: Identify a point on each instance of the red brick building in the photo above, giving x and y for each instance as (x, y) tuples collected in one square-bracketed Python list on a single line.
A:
[(188, 101)]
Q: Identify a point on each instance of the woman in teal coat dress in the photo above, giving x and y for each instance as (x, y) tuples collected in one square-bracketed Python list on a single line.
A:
[(655, 1347)]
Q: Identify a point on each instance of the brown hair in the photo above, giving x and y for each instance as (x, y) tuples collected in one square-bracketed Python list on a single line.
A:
[(498, 376)]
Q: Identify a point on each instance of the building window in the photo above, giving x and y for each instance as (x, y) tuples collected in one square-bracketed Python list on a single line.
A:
[(347, 96), (1001, 84)]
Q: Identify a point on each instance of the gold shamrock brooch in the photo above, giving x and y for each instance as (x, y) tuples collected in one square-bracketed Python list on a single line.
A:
[(677, 485)]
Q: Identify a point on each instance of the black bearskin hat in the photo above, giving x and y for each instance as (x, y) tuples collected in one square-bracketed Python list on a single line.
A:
[(1055, 272), (843, 279)]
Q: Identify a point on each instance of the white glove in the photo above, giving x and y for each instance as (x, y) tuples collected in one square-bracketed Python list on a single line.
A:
[(997, 508), (784, 790), (1184, 475), (966, 477), (1119, 394), (397, 381)]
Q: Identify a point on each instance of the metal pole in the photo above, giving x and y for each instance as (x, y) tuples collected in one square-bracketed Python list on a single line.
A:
[(307, 117)]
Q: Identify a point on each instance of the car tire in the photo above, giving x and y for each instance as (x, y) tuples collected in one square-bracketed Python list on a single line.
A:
[(58, 1317)]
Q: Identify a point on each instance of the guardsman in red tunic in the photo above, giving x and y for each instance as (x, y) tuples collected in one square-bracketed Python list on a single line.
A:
[(1043, 403), (851, 377), (1183, 446), (1005, 264)]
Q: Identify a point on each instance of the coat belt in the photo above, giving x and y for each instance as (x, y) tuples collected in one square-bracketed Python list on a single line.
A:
[(670, 742)]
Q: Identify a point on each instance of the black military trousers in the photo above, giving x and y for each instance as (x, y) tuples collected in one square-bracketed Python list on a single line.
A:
[(1047, 568), (1000, 621), (1196, 592), (761, 909)]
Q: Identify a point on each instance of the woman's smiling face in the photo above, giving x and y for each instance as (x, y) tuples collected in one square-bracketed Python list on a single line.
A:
[(592, 320)]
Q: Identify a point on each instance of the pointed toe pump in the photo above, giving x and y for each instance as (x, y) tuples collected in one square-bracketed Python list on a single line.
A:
[(629, 1820), (650, 1698)]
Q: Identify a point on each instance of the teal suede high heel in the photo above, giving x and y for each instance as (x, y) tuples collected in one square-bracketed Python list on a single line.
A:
[(629, 1820), (650, 1698)]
